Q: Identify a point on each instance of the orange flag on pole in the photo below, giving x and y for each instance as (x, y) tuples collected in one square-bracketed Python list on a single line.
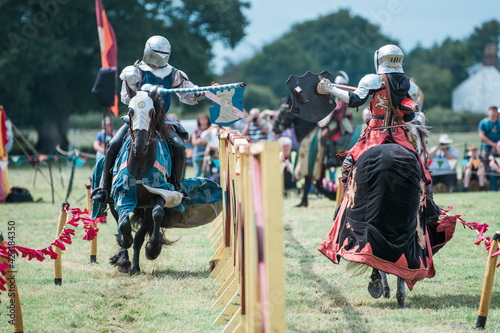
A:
[(107, 41)]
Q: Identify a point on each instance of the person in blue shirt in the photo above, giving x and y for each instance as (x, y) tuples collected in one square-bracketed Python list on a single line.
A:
[(489, 133), (153, 69), (444, 160)]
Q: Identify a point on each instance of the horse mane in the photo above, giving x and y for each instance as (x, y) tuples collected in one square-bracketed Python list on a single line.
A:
[(419, 125), (160, 116)]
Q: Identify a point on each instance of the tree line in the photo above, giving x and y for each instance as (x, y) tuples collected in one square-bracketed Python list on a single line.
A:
[(342, 41), (50, 55)]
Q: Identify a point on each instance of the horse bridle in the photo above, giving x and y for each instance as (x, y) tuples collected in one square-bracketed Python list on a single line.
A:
[(151, 129)]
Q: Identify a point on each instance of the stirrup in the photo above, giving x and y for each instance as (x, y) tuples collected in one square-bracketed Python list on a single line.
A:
[(185, 197)]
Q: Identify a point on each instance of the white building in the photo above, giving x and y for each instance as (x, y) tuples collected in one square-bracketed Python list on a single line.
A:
[(482, 88)]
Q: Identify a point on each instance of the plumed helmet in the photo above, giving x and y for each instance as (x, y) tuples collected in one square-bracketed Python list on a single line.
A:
[(341, 77), (157, 51), (388, 59)]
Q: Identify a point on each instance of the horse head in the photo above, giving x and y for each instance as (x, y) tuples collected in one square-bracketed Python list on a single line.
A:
[(284, 119), (146, 114)]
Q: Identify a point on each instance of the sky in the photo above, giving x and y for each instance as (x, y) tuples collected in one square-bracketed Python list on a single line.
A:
[(409, 21)]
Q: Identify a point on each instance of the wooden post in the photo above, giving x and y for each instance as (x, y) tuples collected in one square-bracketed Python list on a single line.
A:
[(93, 243), (57, 263), (274, 309), (15, 315), (484, 304)]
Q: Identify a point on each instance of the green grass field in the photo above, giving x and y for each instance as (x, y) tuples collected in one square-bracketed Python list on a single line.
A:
[(175, 294)]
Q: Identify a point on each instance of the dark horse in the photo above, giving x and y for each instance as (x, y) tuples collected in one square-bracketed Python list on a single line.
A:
[(309, 164), (387, 220), (141, 184)]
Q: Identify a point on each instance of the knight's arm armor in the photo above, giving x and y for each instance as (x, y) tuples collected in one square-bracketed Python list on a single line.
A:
[(181, 80), (130, 75), (356, 98)]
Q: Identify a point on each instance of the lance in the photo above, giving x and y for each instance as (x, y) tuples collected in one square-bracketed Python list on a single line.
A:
[(344, 87), (162, 91)]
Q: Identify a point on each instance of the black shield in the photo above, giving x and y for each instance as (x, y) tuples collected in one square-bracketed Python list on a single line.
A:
[(307, 103)]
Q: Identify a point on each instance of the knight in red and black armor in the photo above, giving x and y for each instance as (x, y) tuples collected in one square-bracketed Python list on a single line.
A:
[(387, 219), (391, 104)]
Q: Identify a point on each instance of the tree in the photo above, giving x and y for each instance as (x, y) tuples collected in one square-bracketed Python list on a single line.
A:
[(488, 32), (439, 69), (334, 42), (50, 54)]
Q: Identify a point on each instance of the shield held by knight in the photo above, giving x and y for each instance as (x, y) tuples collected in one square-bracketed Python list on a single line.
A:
[(307, 103)]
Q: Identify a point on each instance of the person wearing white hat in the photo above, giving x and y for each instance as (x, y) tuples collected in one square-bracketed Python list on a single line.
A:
[(443, 165)]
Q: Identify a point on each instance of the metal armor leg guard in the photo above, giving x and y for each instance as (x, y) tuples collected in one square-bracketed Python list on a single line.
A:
[(178, 163), (101, 194)]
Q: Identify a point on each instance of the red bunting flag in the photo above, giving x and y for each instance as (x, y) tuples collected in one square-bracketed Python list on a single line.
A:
[(107, 41)]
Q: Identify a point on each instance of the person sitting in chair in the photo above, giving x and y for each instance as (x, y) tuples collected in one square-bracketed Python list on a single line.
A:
[(153, 69), (443, 163), (494, 164), (474, 169)]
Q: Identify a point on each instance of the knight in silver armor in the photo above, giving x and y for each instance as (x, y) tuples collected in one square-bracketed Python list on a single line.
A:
[(153, 69)]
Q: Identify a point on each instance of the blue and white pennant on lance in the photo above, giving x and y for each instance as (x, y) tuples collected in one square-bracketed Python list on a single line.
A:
[(228, 105), (227, 98)]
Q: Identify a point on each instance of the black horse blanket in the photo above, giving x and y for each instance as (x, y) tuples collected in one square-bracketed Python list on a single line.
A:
[(382, 219)]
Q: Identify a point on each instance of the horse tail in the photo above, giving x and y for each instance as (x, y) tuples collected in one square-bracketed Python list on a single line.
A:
[(136, 219), (164, 240), (357, 268)]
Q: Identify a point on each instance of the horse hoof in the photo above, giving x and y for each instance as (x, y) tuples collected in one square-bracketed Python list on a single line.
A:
[(135, 270), (375, 288), (387, 293), (153, 251), (401, 303), (123, 265)]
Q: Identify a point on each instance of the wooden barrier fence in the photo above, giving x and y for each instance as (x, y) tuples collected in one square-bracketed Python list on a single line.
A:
[(248, 262)]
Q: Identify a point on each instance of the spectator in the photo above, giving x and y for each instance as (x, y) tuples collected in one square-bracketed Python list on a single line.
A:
[(270, 116), (443, 163), (103, 137), (287, 157), (256, 128), (199, 145), (494, 164), (474, 169), (489, 133), (210, 166)]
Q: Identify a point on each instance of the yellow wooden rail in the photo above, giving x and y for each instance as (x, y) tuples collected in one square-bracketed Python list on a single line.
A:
[(248, 262)]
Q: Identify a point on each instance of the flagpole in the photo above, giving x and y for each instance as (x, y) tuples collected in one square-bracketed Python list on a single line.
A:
[(162, 91)]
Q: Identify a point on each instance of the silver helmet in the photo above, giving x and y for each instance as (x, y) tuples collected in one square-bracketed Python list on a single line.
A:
[(389, 59), (341, 77), (157, 51)]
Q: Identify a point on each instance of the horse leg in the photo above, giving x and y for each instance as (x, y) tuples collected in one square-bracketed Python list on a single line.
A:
[(153, 247), (124, 236), (385, 285), (375, 285), (305, 192), (121, 261), (401, 293), (138, 241)]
